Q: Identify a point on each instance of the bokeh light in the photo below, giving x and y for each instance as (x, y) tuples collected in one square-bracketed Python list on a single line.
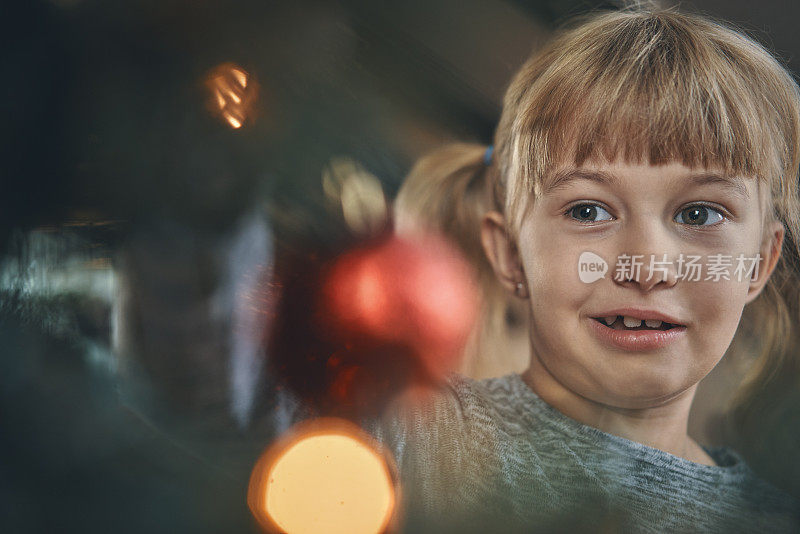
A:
[(233, 94), (348, 185), (325, 475)]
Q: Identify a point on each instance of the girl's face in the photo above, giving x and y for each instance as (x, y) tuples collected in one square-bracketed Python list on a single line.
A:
[(614, 210)]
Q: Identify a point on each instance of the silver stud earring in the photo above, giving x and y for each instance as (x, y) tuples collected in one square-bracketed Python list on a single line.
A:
[(520, 290)]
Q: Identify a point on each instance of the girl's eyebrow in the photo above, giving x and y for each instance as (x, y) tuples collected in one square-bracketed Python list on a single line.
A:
[(563, 177), (734, 184)]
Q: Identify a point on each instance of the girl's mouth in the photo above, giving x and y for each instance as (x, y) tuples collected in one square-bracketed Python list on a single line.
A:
[(628, 323), (630, 334)]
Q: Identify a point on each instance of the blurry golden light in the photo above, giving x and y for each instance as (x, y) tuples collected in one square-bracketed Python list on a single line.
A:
[(220, 100), (233, 121), (233, 94), (359, 194), (240, 76), (326, 476)]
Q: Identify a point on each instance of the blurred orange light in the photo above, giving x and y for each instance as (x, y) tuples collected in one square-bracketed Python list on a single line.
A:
[(240, 76), (233, 121), (325, 476), (233, 94)]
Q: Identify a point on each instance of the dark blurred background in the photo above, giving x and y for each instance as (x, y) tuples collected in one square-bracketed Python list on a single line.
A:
[(134, 213)]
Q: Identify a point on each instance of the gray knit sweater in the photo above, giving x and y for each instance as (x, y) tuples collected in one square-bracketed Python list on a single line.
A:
[(491, 456)]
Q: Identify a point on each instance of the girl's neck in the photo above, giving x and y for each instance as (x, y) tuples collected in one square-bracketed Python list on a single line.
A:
[(663, 427)]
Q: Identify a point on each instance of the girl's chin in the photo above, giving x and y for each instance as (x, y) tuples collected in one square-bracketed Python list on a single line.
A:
[(640, 390)]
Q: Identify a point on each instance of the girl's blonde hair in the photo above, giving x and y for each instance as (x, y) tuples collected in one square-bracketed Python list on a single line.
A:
[(653, 86), (447, 192)]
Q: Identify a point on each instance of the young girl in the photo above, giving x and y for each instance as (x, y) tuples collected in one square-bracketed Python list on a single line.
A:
[(637, 146)]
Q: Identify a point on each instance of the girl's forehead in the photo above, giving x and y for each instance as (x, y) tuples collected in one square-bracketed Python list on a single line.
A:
[(593, 136), (699, 162), (672, 176), (620, 172)]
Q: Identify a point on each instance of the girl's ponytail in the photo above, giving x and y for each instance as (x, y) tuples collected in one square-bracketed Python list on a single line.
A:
[(447, 192), (765, 409)]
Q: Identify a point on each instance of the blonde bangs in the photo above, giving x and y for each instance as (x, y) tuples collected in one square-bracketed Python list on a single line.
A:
[(648, 88)]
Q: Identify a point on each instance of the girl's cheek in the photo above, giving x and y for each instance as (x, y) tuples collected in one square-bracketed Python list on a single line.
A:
[(555, 281), (732, 293), (717, 309), (552, 265), (718, 303)]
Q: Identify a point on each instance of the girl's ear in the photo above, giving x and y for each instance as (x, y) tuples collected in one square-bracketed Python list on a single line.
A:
[(770, 252), (501, 252)]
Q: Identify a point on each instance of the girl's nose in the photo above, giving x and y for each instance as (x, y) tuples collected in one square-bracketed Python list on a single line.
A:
[(645, 270), (647, 257)]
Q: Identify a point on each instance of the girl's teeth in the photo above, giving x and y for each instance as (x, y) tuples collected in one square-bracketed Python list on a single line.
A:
[(631, 322)]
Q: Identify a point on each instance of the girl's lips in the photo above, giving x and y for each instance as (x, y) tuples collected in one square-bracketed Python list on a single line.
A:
[(636, 340)]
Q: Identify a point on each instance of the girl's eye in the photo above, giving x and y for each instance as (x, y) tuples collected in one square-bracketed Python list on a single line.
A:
[(589, 213), (699, 215)]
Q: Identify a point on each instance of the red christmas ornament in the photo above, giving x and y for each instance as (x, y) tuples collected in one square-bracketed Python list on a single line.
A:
[(417, 293)]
